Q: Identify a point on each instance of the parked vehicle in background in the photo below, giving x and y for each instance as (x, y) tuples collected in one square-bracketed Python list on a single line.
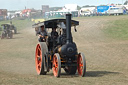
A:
[(86, 13), (7, 32), (102, 9), (115, 11)]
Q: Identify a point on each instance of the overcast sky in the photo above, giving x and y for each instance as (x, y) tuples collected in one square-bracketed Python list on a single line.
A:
[(20, 4)]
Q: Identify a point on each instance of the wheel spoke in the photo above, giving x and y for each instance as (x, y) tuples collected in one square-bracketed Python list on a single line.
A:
[(56, 69), (54, 61), (38, 56), (40, 63), (56, 66), (38, 66), (81, 68), (39, 50), (81, 65), (53, 68), (80, 59)]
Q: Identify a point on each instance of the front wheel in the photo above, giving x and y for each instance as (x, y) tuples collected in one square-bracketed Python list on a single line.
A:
[(81, 65), (10, 35), (56, 65)]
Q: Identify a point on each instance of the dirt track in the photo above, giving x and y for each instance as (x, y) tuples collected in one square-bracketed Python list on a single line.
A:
[(107, 59)]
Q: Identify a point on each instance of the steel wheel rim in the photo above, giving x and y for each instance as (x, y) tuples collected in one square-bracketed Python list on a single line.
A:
[(38, 59)]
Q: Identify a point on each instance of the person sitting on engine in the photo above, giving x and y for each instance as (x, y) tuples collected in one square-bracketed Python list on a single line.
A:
[(54, 34), (42, 34)]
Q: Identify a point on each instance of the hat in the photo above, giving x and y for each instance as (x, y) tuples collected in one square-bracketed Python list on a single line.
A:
[(62, 25)]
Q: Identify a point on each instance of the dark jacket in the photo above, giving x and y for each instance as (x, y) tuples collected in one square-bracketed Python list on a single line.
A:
[(54, 34)]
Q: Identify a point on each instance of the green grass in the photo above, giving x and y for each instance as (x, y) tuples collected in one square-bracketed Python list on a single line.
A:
[(19, 24), (117, 29)]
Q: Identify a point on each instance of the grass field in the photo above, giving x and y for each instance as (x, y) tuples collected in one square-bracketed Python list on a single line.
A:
[(19, 24), (106, 57), (117, 29)]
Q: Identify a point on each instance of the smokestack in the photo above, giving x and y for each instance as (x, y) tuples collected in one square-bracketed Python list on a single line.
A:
[(68, 28)]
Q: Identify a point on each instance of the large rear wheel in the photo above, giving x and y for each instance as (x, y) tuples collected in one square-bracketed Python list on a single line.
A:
[(10, 35), (56, 65), (81, 65), (41, 50)]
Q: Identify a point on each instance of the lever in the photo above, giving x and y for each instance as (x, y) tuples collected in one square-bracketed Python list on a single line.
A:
[(75, 29)]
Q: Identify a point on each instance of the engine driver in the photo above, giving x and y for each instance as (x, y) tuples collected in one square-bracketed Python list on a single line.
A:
[(42, 34)]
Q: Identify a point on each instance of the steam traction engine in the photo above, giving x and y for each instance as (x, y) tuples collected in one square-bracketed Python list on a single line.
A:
[(61, 52), (7, 32)]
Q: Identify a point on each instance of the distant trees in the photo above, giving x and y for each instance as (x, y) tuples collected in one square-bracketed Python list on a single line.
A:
[(126, 2), (88, 6), (78, 7)]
